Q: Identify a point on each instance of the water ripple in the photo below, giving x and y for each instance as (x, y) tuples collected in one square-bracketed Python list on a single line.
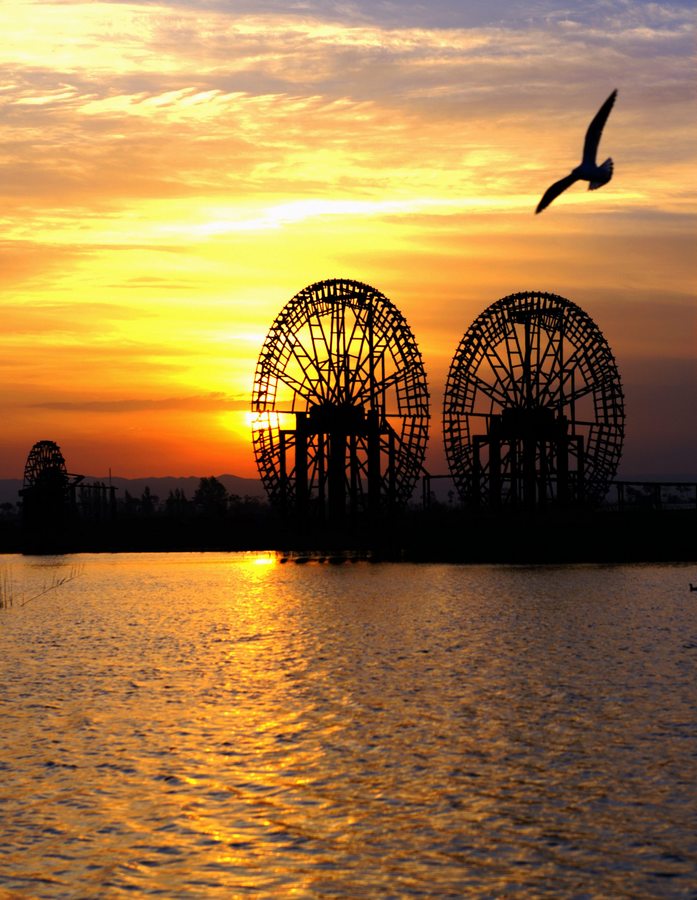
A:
[(197, 725)]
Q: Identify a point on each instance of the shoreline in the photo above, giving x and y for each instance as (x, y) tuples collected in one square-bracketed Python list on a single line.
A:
[(438, 535)]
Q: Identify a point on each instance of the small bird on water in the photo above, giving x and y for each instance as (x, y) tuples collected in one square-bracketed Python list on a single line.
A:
[(589, 170)]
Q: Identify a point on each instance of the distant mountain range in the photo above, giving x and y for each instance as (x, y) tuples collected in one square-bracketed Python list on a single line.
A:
[(159, 487)]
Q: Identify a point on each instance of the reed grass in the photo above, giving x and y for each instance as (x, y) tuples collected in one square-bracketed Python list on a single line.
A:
[(6, 588), (11, 595)]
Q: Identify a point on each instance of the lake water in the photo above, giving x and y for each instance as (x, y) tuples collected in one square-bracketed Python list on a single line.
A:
[(225, 725)]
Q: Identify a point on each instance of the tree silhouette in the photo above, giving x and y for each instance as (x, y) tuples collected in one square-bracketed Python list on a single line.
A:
[(211, 498)]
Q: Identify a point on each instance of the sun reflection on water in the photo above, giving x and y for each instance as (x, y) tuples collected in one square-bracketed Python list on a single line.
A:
[(266, 559)]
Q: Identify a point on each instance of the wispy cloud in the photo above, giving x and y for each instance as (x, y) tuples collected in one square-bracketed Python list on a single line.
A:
[(143, 102), (197, 403)]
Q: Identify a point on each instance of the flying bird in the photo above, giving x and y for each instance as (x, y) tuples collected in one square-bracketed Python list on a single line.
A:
[(589, 170)]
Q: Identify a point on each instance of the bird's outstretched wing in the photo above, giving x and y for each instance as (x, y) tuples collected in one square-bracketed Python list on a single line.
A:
[(555, 190), (595, 129)]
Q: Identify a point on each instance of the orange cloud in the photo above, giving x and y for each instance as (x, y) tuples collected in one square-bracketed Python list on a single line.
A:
[(172, 176)]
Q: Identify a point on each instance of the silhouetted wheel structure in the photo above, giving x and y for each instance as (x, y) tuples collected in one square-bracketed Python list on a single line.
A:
[(342, 403), (46, 497), (533, 408), (45, 467)]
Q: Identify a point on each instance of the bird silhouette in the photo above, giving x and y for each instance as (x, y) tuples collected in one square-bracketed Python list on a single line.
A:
[(589, 170)]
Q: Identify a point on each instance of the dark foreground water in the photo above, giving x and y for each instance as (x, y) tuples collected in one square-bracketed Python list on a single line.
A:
[(220, 725)]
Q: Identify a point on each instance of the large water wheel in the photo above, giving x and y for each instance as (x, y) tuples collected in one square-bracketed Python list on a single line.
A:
[(341, 403), (533, 407)]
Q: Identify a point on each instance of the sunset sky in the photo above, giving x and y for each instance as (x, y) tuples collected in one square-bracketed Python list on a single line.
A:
[(173, 173)]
